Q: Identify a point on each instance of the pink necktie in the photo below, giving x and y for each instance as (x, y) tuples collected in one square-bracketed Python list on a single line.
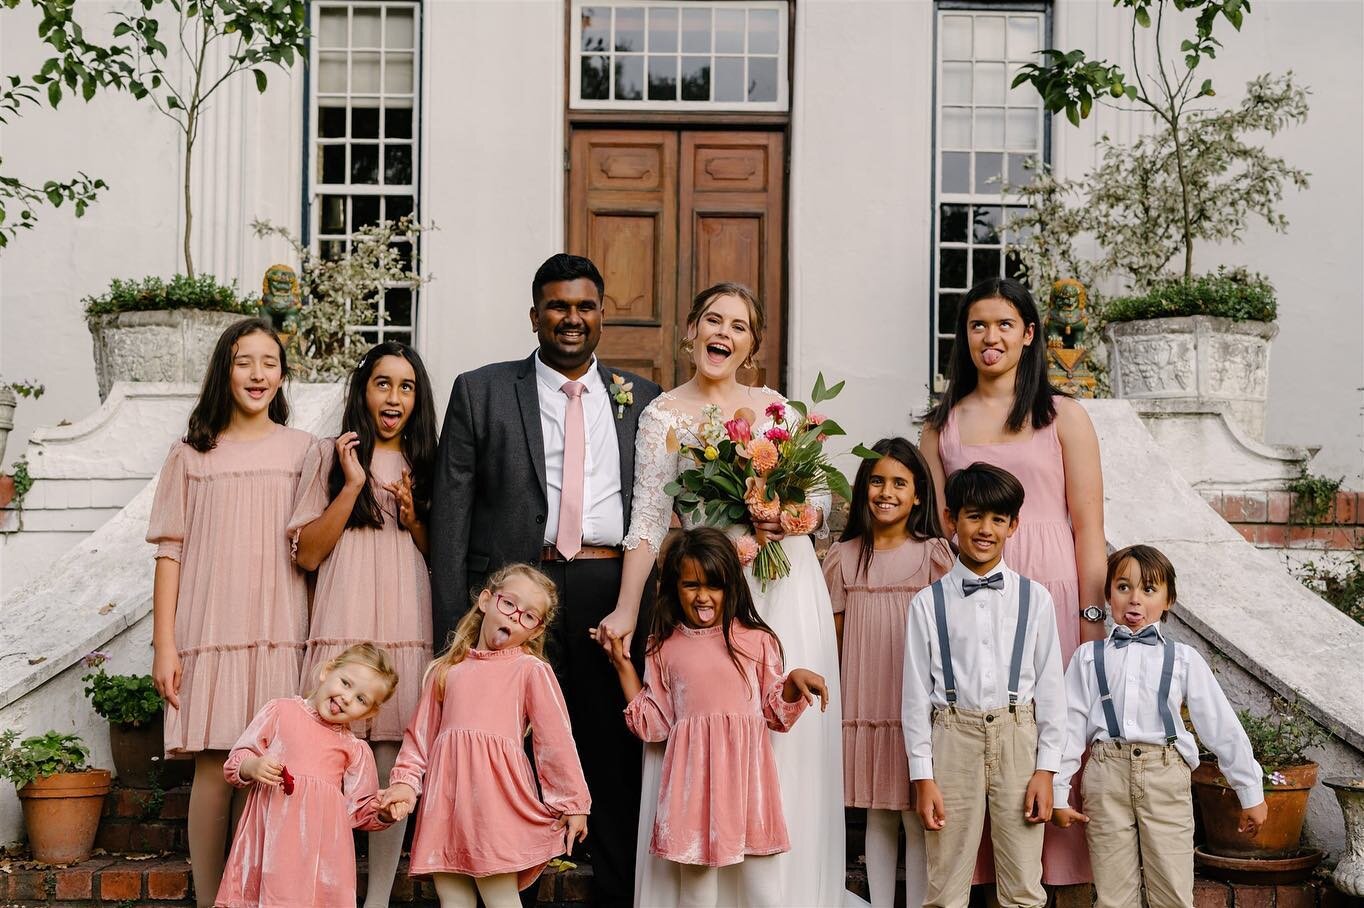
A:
[(570, 539)]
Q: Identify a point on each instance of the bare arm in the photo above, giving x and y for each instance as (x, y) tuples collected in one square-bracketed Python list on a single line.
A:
[(1085, 500), (634, 573), (317, 539), (165, 656), (928, 447)]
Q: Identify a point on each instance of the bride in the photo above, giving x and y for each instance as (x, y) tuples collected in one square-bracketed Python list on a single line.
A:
[(725, 331)]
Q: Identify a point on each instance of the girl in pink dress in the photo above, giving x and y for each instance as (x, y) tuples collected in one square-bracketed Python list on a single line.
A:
[(892, 548), (1000, 408), (230, 610), (713, 687), (312, 781), (360, 522), (481, 824)]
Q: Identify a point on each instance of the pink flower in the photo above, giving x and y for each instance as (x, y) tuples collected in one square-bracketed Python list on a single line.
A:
[(739, 430), (777, 435), (815, 419), (747, 548), (776, 410), (799, 519), (760, 507), (762, 453)]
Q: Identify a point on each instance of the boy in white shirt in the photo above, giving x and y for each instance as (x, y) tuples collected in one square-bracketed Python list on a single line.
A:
[(983, 707), (1124, 705)]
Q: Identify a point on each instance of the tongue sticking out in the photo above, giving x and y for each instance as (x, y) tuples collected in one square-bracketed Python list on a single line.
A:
[(705, 613), (501, 636), (991, 356)]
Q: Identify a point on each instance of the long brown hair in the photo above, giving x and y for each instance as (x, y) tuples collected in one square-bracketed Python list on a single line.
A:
[(465, 634), (714, 554), (757, 317), (213, 412), (922, 521)]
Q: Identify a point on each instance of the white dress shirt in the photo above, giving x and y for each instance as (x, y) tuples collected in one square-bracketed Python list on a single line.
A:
[(1134, 683), (603, 510), (980, 629)]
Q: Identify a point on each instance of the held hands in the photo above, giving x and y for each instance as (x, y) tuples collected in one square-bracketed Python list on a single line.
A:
[(166, 674), (576, 824), (263, 770), (1251, 819), (1037, 798), (803, 684), (932, 812), (407, 511), (354, 474), (1065, 816), (396, 802), (619, 625), (616, 649)]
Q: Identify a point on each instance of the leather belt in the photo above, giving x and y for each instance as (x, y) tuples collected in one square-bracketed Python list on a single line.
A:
[(586, 553)]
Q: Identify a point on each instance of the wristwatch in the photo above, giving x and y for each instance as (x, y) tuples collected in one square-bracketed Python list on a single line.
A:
[(1092, 613)]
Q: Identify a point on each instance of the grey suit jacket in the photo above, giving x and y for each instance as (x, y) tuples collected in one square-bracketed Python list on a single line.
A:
[(489, 503)]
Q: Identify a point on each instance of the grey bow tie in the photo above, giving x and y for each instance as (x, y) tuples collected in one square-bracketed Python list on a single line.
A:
[(1147, 636), (971, 584)]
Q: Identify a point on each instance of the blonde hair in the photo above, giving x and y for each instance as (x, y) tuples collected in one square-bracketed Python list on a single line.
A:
[(757, 316), (371, 657), (465, 634)]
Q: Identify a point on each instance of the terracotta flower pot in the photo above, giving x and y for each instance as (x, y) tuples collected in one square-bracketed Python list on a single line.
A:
[(61, 814), (1281, 834), (138, 753)]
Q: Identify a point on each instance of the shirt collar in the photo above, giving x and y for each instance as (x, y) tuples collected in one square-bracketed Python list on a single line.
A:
[(554, 380), (961, 572)]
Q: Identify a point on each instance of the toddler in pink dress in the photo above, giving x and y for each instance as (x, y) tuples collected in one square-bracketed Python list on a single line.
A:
[(713, 687), (312, 782), (482, 827)]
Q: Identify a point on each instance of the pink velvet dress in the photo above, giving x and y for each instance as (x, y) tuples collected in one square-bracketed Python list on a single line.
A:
[(373, 587), (464, 754), (296, 850), (719, 799), (1043, 549), (875, 608), (241, 614)]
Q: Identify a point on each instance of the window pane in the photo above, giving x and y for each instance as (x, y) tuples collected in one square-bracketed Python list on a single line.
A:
[(364, 164), (956, 172), (397, 206), (762, 31), (944, 354), (331, 76), (398, 164), (662, 30), (989, 127), (956, 83), (364, 122), (630, 28), (956, 127), (985, 222), (696, 78), (989, 37), (729, 31), (729, 78), (985, 263), (1020, 173), (1013, 265), (662, 78), (1023, 43), (1022, 129), (333, 250), (956, 37), (331, 122), (398, 306), (364, 73), (630, 78), (988, 173), (333, 163), (400, 31), (762, 78), (952, 268), (398, 122), (332, 30), (596, 27), (364, 28), (952, 224), (364, 210), (596, 82), (990, 86), (333, 213), (695, 30), (947, 312), (398, 74)]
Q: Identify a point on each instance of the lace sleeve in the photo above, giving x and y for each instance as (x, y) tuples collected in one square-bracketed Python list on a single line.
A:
[(655, 467)]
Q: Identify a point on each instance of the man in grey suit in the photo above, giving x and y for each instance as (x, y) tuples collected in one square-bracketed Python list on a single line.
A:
[(536, 464)]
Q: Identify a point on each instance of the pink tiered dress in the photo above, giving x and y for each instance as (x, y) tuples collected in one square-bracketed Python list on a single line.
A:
[(373, 587), (480, 813), (1043, 549), (296, 850), (875, 606), (241, 615), (719, 799)]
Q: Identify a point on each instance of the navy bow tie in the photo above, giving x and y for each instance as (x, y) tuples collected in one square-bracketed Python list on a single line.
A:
[(971, 584), (1147, 636)]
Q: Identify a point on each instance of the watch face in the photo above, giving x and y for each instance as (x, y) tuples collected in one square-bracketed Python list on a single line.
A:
[(1093, 613)]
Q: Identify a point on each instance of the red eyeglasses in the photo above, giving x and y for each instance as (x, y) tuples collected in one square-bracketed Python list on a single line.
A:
[(524, 616)]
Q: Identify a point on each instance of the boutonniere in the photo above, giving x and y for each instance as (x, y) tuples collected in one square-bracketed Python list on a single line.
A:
[(622, 392)]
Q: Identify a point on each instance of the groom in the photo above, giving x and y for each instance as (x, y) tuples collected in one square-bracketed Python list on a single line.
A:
[(536, 464)]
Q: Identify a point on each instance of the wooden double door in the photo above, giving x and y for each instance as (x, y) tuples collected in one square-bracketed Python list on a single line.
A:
[(665, 213)]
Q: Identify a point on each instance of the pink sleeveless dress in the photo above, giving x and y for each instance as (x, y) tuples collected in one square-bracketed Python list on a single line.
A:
[(1043, 549)]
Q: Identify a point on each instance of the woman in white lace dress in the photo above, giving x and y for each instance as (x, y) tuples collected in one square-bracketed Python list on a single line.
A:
[(724, 332)]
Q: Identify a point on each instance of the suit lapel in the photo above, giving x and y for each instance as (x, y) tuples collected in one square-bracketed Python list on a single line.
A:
[(528, 398), (625, 440)]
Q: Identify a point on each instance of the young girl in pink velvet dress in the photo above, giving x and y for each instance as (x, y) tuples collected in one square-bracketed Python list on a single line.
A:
[(713, 687), (360, 522), (892, 548), (230, 610), (312, 781), (481, 824)]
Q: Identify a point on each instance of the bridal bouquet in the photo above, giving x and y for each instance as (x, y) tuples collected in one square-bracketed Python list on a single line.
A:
[(743, 475)]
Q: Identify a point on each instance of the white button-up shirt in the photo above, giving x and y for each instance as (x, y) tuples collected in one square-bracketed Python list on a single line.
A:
[(980, 629), (1134, 682), (603, 511)]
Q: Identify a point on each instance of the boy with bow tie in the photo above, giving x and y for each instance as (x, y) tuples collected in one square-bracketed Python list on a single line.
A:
[(984, 705), (1124, 696)]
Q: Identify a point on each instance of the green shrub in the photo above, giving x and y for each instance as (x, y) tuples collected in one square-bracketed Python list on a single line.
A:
[(40, 756), (1314, 498), (180, 292), (1283, 737), (129, 700), (1230, 293), (1340, 585)]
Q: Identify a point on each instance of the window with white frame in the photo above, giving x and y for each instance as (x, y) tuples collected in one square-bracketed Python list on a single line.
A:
[(985, 135), (362, 165), (679, 55)]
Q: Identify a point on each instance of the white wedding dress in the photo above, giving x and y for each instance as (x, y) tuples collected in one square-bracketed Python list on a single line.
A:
[(809, 758)]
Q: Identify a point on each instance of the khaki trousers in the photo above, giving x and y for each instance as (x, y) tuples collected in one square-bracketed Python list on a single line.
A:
[(980, 760), (1140, 825)]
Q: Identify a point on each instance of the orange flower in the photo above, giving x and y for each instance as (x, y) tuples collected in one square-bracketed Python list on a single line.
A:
[(760, 508), (747, 548), (763, 454), (799, 519)]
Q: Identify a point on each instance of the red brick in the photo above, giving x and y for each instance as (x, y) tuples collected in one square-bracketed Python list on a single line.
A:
[(113, 836), (1252, 896), (1249, 531), (177, 804), (1303, 895), (29, 885), (544, 891), (1278, 503), (1214, 499), (120, 885), (1255, 507), (576, 885), (75, 883), (1234, 507), (1345, 511), (1211, 894), (124, 802), (168, 881)]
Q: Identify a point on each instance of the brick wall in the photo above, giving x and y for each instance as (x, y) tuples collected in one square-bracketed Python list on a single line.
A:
[(1266, 519)]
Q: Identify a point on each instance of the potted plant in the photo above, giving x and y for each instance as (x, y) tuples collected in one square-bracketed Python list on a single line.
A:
[(62, 798), (10, 392), (1279, 741), (133, 709), (155, 330)]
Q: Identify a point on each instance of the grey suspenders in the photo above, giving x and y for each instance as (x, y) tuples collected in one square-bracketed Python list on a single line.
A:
[(1167, 671), (949, 677)]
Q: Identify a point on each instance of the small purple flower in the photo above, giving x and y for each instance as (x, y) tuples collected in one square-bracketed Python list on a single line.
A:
[(95, 659), (1277, 778)]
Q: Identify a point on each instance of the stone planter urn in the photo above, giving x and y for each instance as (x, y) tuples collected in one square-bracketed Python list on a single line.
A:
[(171, 345), (7, 404), (1349, 873), (1198, 357)]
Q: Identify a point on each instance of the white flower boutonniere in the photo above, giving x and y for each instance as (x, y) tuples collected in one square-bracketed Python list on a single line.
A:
[(622, 392)]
